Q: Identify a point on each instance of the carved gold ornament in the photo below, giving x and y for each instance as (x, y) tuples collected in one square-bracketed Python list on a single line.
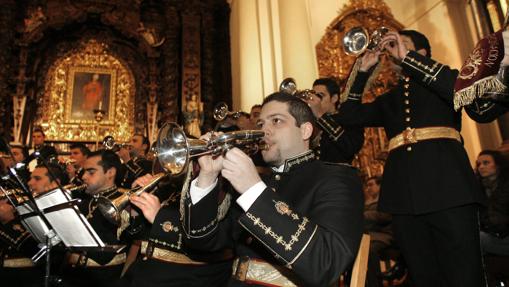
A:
[(87, 79)]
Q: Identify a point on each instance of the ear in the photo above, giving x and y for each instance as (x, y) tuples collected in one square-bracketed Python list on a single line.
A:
[(306, 130), (334, 99), (111, 173), (422, 52)]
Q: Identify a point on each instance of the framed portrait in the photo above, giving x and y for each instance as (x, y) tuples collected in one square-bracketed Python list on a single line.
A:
[(87, 79), (90, 89)]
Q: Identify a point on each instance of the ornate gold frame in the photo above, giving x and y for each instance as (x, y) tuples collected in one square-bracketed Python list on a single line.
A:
[(55, 112)]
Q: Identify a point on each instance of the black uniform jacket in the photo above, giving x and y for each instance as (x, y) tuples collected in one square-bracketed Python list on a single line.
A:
[(429, 175), (338, 144), (109, 233), (133, 169), (308, 219)]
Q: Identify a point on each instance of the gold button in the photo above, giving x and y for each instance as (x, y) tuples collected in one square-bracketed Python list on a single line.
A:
[(406, 86), (277, 177), (409, 148), (407, 79), (407, 102), (407, 111), (407, 94), (407, 119)]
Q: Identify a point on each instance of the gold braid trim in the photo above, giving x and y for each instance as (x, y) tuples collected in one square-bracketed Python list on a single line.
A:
[(124, 222), (184, 193), (467, 95), (351, 79)]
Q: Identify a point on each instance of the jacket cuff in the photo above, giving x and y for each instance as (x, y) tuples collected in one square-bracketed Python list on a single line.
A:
[(328, 125), (421, 67)]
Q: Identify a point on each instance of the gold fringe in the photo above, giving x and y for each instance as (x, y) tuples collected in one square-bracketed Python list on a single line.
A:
[(124, 222), (184, 193), (467, 95), (353, 74)]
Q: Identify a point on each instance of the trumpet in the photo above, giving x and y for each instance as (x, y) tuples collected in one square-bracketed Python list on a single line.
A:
[(289, 86), (111, 209), (221, 112), (175, 149), (357, 40), (110, 144)]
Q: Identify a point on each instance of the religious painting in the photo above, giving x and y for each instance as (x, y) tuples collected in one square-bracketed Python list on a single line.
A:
[(81, 82), (89, 90)]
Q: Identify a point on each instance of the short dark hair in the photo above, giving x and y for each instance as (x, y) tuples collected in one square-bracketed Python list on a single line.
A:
[(296, 107), (376, 178), (331, 85), (144, 140), (420, 41), (39, 130), (501, 162), (82, 147), (24, 150), (109, 159), (55, 171), (256, 106)]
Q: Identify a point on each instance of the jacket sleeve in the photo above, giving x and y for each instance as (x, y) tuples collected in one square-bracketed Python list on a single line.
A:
[(433, 75), (317, 246), (484, 110), (349, 139), (205, 224)]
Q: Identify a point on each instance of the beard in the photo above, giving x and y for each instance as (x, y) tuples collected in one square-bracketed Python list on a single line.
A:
[(272, 157)]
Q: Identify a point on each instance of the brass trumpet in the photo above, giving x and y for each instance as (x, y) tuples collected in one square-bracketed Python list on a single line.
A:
[(289, 86), (112, 208), (357, 40), (175, 149), (110, 144), (221, 112)]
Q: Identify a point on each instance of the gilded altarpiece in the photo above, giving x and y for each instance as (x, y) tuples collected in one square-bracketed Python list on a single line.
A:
[(80, 83), (334, 62)]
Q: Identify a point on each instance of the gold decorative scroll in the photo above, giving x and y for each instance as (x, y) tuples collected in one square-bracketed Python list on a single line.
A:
[(192, 107), (68, 109), (334, 62)]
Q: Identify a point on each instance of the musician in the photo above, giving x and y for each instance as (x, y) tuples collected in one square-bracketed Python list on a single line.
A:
[(99, 268), (428, 184), (16, 243), (79, 153), (164, 260), (302, 224), (336, 143), (133, 157), (483, 81), (47, 177), (43, 150)]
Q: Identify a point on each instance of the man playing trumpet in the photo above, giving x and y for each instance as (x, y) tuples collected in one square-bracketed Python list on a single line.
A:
[(428, 184), (302, 223)]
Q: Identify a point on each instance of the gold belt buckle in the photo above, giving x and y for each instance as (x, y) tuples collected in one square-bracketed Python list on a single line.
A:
[(409, 136)]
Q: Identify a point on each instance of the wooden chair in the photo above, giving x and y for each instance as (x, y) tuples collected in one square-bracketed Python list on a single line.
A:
[(360, 266)]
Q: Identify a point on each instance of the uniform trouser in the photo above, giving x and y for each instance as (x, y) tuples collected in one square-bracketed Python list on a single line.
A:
[(442, 248)]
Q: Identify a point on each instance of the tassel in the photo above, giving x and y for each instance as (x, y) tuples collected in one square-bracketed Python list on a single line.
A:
[(466, 96)]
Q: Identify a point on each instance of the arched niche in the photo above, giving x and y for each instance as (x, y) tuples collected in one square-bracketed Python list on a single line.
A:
[(70, 98)]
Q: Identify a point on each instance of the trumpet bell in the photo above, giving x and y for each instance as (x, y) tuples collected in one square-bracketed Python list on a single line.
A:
[(357, 40), (289, 86), (174, 148)]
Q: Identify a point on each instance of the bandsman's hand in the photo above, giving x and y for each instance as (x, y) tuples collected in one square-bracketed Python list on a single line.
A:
[(6, 212), (143, 180), (393, 44), (239, 170), (369, 59), (148, 203), (210, 166)]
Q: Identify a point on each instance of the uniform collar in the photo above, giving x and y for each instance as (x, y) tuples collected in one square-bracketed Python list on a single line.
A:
[(295, 161)]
